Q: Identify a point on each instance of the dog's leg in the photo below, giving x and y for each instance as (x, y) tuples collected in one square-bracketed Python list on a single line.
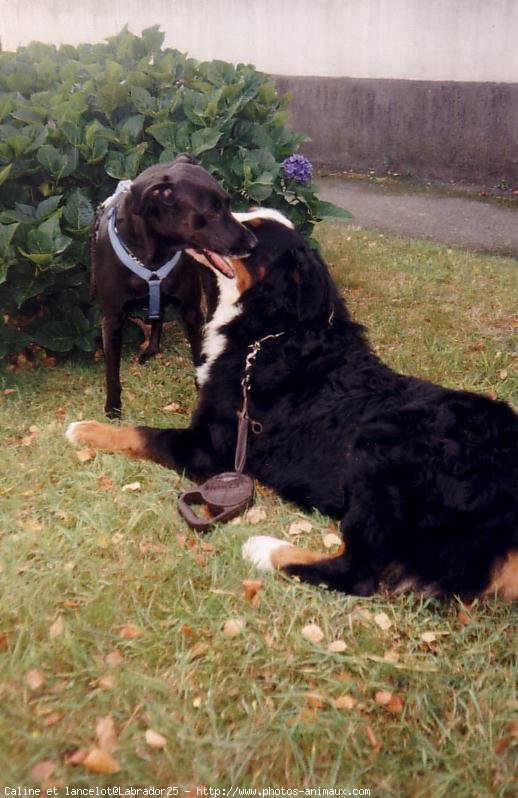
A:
[(188, 450), (153, 346), (112, 344), (339, 571)]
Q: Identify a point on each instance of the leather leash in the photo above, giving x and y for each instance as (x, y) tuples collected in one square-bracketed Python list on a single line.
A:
[(230, 493)]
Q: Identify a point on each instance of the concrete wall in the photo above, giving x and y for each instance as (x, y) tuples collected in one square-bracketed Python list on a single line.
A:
[(421, 86)]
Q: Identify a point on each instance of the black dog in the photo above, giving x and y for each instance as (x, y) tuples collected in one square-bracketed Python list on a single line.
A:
[(424, 479), (167, 208)]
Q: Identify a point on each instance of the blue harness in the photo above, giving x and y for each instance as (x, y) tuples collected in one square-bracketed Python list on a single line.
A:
[(152, 278)]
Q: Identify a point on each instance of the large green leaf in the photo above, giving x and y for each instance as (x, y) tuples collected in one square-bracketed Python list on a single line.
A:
[(78, 210), (204, 139)]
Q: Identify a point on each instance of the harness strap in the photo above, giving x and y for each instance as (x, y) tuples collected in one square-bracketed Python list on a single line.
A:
[(152, 278)]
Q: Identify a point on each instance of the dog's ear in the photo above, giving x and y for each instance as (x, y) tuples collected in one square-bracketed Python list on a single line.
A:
[(186, 157), (144, 192), (303, 285)]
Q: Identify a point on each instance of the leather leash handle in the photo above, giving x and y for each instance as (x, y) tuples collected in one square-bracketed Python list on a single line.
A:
[(194, 521)]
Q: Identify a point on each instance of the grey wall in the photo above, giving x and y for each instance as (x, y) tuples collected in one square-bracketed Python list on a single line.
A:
[(443, 130)]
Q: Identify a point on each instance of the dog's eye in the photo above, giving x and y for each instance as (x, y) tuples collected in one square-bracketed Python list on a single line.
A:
[(199, 222)]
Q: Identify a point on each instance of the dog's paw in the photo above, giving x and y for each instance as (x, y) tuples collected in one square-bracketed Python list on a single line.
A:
[(81, 431), (258, 550)]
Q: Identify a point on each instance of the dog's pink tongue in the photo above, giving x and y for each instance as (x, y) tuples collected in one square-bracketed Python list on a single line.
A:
[(220, 263)]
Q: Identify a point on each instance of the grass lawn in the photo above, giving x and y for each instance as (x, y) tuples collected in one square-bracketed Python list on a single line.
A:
[(112, 609)]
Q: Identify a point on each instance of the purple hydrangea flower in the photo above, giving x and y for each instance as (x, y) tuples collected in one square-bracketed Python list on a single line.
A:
[(298, 168)]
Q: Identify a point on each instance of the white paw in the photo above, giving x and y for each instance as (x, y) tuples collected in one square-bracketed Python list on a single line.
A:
[(72, 432), (259, 548)]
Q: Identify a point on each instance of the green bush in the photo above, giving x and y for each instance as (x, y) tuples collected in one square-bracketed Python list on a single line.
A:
[(75, 120)]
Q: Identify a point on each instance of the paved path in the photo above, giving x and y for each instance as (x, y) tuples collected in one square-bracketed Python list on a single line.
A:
[(456, 221)]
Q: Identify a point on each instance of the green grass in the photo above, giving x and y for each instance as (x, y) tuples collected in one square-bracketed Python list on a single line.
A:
[(255, 710)]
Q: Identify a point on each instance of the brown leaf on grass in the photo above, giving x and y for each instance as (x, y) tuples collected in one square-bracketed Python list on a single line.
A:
[(4, 641), (130, 631), (337, 646), (98, 761), (28, 440), (396, 705), (463, 618), (373, 740), (32, 525), (76, 757), (131, 487), (114, 658), (8, 391), (251, 590), (52, 719), (382, 620), (233, 627), (383, 697), (152, 548), (345, 702), (501, 745), (34, 679), (84, 455), (255, 515), (107, 682), (174, 407), (312, 632), (299, 528), (314, 700), (199, 650), (105, 734), (43, 770), (57, 628), (155, 740), (103, 483)]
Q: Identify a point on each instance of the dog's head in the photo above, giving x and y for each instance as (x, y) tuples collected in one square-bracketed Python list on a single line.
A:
[(288, 276), (181, 202)]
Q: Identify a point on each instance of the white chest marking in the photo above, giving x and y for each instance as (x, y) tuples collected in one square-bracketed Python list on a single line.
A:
[(213, 339)]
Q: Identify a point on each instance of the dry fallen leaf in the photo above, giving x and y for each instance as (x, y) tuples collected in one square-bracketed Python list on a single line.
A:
[(255, 515), (345, 702), (428, 637), (337, 646), (155, 740), (84, 455), (107, 682), (76, 757), (299, 527), (129, 631), (395, 705), (373, 740), (383, 697), (57, 628), (105, 734), (114, 657), (98, 761), (43, 770), (31, 525), (52, 719), (312, 632), (251, 589), (331, 539), (103, 483), (34, 679), (131, 487), (174, 407), (382, 620), (463, 618), (233, 627)]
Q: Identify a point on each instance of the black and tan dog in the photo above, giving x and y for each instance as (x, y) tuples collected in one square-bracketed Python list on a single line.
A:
[(141, 233), (424, 479)]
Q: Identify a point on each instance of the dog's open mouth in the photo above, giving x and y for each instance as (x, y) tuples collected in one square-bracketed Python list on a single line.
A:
[(221, 263)]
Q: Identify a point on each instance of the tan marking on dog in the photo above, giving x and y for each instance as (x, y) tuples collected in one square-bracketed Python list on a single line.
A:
[(292, 555), (243, 277), (257, 222), (505, 579), (109, 438)]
